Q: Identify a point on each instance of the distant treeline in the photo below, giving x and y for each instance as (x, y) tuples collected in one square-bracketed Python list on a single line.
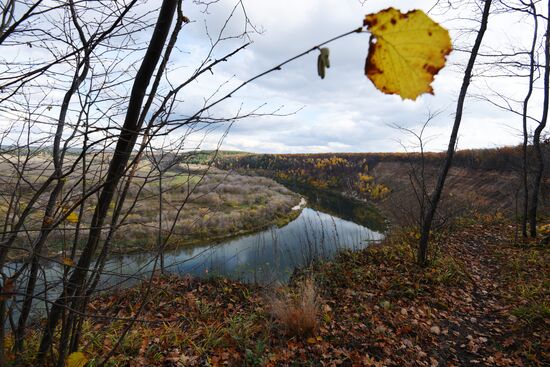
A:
[(499, 159), (207, 156), (356, 174), (348, 173)]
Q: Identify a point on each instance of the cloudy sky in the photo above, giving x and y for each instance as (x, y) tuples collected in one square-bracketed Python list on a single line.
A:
[(343, 112)]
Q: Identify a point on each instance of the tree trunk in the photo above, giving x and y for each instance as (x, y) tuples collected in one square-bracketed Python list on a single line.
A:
[(536, 136), (422, 254), (525, 173), (125, 144), (159, 231)]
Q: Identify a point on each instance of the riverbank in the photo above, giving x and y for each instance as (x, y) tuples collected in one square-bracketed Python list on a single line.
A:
[(484, 180), (220, 205), (189, 242), (200, 205), (482, 302), (342, 205)]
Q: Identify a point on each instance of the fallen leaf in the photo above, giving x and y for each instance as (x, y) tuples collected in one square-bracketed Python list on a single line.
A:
[(76, 359)]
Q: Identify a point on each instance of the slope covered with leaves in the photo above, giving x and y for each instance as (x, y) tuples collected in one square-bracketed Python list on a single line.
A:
[(484, 301)]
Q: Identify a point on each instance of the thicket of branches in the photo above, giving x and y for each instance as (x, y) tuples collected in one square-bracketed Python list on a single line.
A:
[(88, 117)]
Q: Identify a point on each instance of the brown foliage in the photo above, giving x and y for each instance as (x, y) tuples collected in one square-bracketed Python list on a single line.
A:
[(482, 301)]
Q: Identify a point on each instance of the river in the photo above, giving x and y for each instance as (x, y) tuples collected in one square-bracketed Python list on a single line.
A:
[(328, 224)]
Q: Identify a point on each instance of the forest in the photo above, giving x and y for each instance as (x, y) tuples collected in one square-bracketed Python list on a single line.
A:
[(255, 183)]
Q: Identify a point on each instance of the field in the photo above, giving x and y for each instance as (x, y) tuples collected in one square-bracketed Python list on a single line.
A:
[(221, 204), (198, 204)]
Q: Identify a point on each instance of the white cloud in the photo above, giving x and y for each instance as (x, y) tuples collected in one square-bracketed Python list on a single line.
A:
[(343, 112)]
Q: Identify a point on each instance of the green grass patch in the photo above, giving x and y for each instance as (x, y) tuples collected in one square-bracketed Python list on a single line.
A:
[(532, 313)]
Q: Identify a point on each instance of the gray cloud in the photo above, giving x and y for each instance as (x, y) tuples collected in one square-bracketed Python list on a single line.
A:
[(343, 112)]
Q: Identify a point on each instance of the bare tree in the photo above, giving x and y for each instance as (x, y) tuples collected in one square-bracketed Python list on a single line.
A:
[(94, 159), (523, 64), (121, 155), (10, 21), (427, 222), (525, 173), (419, 182), (538, 132)]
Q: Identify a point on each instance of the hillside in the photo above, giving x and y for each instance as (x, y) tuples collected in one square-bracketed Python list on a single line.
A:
[(486, 180), (200, 204), (479, 304)]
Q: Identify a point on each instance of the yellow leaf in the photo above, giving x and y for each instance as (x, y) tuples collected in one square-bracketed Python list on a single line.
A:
[(406, 51), (311, 340), (9, 287), (73, 217), (68, 262), (76, 359)]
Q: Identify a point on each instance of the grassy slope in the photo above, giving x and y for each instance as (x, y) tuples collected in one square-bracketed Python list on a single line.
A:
[(484, 301), (221, 205)]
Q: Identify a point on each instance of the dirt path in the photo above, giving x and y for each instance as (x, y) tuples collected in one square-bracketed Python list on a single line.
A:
[(505, 281)]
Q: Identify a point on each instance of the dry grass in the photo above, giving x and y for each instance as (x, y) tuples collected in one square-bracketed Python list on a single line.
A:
[(216, 204), (297, 312)]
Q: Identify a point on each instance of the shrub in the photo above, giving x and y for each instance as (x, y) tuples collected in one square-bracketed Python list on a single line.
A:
[(297, 312)]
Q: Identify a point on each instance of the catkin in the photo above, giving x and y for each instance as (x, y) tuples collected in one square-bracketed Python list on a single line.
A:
[(323, 61)]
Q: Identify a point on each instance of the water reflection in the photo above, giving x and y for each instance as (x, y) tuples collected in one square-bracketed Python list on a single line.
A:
[(343, 207), (262, 257)]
